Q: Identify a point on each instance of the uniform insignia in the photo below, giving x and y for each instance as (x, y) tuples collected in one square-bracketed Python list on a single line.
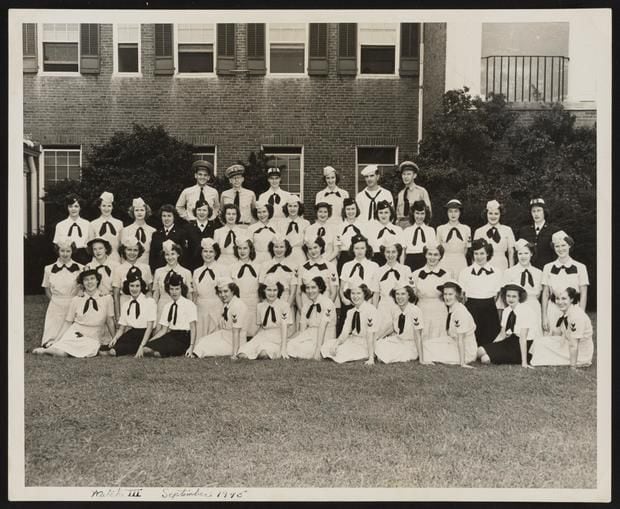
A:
[(457, 323), (328, 312), (333, 276), (573, 326), (234, 318), (416, 321), (284, 315), (370, 322)]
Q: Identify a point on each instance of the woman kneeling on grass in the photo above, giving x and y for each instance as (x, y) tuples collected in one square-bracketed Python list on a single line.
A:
[(273, 315), (405, 342), (138, 316), (86, 319), (571, 343), (232, 332), (318, 321), (512, 344), (177, 334), (357, 339), (458, 344)]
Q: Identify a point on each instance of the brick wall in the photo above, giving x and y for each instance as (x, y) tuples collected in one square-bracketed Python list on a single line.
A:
[(585, 114), (329, 115)]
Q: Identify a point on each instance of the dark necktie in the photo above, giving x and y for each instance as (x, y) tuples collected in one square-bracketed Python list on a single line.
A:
[(415, 235), (107, 269), (372, 206), (321, 232), (335, 193), (275, 267), (140, 235), (526, 274), (448, 321), (510, 323), (266, 228), (387, 274), (170, 272), (385, 229), (406, 203), (73, 268), (172, 314), (537, 230), (423, 274), (202, 195), (569, 270), (311, 308), (87, 305), (274, 199), (482, 269), (562, 320), (230, 238), (356, 323), (105, 226), (202, 227), (134, 301), (79, 230), (292, 226), (206, 271), (358, 266), (225, 313), (320, 266), (355, 229), (242, 270), (270, 313), (493, 234), (236, 200), (401, 323), (454, 231)]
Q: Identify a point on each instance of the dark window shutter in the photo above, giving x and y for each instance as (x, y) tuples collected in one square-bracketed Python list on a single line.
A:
[(89, 48), (256, 48), (164, 59), (225, 48), (29, 40), (317, 61), (409, 49), (347, 48)]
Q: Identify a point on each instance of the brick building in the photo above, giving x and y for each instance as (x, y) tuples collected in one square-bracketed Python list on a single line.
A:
[(344, 94)]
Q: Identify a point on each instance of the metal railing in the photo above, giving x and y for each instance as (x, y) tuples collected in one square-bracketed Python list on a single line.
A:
[(527, 78)]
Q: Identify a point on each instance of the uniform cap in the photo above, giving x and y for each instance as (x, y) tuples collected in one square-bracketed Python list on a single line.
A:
[(371, 169), (138, 202), (107, 197), (493, 205), (328, 170), (202, 165), (234, 170)]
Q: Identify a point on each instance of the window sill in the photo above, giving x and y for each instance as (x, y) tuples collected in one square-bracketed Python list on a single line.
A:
[(127, 75), (60, 73), (195, 75), (286, 75), (378, 76)]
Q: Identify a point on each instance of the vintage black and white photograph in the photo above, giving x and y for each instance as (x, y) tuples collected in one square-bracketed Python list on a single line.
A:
[(310, 255)]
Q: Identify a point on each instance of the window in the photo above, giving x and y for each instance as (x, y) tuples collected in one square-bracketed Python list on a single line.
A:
[(378, 50), (61, 163), (195, 48), (287, 48), (207, 153), (127, 48), (290, 161), (60, 47), (384, 157)]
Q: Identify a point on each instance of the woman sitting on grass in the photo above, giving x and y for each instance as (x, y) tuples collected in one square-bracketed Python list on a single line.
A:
[(231, 334), (571, 343), (86, 319), (458, 344), (138, 315), (405, 342), (177, 334), (60, 283), (318, 321), (273, 316), (512, 344), (357, 339)]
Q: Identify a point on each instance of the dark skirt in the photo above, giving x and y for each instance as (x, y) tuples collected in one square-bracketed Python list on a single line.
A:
[(81, 256), (415, 261), (129, 342), (342, 318), (172, 344), (343, 258), (379, 259), (507, 351), (484, 314)]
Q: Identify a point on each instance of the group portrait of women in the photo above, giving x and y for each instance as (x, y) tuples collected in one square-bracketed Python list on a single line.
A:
[(369, 280)]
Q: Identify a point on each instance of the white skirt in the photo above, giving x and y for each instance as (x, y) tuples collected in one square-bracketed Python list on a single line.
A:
[(302, 346), (354, 348), (267, 340), (445, 350), (86, 345), (394, 349), (55, 317), (553, 351), (209, 312), (251, 326), (217, 344), (385, 316), (534, 304), (553, 314), (435, 314)]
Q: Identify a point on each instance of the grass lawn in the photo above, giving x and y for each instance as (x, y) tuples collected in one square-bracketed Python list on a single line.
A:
[(182, 422)]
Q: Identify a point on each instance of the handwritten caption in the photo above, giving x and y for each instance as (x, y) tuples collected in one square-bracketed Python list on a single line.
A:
[(168, 493)]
